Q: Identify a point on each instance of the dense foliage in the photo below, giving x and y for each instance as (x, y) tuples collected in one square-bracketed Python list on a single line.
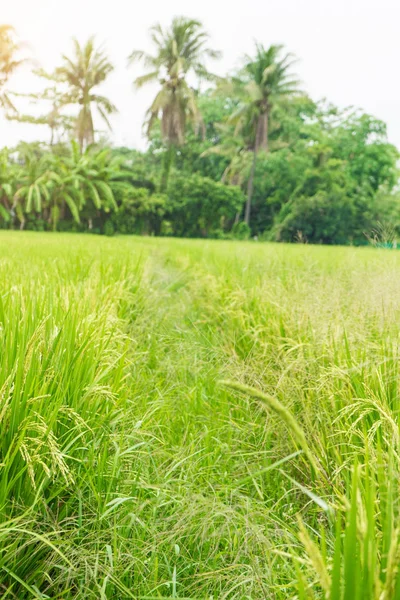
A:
[(251, 156)]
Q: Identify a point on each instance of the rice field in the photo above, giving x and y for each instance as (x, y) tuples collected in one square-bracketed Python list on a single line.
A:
[(198, 419)]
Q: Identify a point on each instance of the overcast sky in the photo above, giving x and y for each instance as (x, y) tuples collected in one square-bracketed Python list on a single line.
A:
[(348, 50)]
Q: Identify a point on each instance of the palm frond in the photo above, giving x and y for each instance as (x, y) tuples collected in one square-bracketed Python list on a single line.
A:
[(145, 79), (181, 49)]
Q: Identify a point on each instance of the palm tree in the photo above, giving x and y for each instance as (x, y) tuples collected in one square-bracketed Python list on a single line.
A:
[(83, 73), (58, 123), (9, 49), (180, 52), (263, 81), (234, 149)]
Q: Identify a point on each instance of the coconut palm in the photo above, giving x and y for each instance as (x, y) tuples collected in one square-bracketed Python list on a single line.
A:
[(9, 49), (180, 52), (233, 148), (264, 80), (59, 124), (83, 73)]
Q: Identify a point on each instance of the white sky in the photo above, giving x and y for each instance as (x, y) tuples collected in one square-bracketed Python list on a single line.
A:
[(348, 49)]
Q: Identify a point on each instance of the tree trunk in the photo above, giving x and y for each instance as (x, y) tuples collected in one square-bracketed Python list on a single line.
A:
[(250, 188), (167, 164), (261, 141), (84, 127)]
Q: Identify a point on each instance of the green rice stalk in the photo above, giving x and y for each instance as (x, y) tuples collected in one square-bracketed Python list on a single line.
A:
[(283, 412)]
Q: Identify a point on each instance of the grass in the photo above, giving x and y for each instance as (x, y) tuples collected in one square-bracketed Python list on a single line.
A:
[(191, 419)]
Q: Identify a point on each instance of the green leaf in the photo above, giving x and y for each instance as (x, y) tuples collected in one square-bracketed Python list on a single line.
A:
[(72, 207), (30, 198), (94, 194)]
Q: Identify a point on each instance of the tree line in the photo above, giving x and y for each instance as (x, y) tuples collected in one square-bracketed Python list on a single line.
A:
[(252, 155)]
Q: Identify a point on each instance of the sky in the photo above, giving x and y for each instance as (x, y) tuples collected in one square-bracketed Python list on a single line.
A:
[(348, 50)]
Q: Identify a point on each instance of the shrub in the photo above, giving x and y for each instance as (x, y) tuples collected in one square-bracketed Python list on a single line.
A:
[(139, 212), (109, 229), (199, 206)]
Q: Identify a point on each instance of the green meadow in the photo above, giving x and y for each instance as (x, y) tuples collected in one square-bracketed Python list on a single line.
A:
[(198, 419)]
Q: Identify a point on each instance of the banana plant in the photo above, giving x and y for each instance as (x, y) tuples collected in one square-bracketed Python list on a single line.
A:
[(91, 177), (34, 185), (51, 184), (7, 183)]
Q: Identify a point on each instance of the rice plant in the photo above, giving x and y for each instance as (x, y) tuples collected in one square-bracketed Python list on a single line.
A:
[(190, 419)]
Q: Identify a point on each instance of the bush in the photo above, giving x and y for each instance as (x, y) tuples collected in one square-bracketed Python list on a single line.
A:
[(109, 229), (200, 207), (324, 218), (139, 212), (241, 231), (35, 223)]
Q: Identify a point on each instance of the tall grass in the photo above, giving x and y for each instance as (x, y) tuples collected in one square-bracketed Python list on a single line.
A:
[(127, 469)]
